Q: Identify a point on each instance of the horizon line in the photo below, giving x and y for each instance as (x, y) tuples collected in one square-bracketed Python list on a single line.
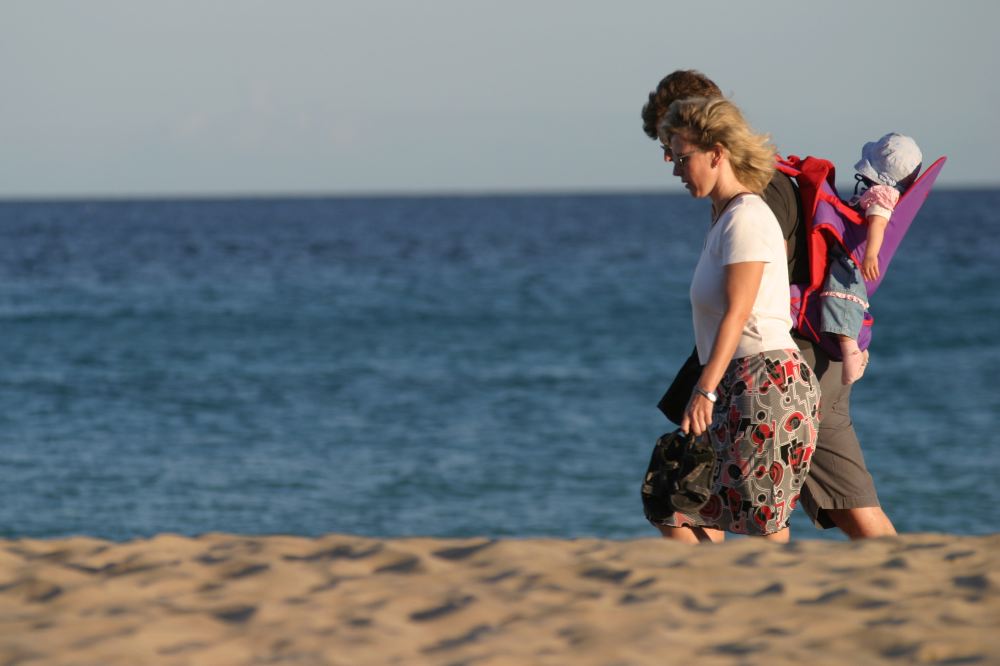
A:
[(379, 194)]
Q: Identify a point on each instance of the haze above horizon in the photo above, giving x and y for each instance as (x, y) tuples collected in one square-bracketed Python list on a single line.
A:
[(121, 99)]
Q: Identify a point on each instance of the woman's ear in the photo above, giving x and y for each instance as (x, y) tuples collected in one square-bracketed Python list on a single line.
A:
[(718, 152)]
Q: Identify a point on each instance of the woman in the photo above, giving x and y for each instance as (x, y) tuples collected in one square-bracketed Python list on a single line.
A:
[(756, 397)]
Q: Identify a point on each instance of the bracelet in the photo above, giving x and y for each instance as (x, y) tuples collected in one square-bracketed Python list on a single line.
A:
[(708, 394)]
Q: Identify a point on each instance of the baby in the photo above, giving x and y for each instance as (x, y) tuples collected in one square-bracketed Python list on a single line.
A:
[(886, 169)]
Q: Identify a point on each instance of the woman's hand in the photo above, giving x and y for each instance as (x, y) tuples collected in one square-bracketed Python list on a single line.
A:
[(697, 414)]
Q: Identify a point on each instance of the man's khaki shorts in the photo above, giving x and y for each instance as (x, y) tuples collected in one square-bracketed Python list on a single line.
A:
[(838, 478)]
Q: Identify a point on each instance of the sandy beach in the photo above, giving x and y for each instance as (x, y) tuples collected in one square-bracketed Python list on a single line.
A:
[(351, 601)]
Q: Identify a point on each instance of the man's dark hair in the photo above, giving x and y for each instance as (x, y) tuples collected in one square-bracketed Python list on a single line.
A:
[(681, 84)]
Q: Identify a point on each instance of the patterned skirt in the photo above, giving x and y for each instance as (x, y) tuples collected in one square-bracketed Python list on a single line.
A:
[(764, 430)]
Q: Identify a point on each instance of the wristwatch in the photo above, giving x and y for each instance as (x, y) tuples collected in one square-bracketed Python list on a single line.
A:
[(708, 394)]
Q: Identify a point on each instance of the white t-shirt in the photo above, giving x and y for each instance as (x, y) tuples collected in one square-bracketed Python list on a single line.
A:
[(746, 231)]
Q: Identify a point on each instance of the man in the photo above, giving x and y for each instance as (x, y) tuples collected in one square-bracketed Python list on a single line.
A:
[(839, 491)]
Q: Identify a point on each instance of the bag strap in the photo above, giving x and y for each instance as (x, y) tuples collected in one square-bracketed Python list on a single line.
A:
[(810, 173)]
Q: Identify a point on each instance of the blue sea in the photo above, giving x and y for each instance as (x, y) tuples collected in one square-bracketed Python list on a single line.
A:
[(441, 366)]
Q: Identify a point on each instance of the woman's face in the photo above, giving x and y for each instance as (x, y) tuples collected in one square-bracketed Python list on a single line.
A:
[(693, 166)]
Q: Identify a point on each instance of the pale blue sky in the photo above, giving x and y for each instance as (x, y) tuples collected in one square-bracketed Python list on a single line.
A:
[(129, 97)]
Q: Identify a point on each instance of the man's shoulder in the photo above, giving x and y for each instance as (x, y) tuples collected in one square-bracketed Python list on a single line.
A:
[(781, 191), (782, 197)]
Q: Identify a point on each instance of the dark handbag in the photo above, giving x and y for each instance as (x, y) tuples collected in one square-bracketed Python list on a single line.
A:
[(675, 400), (679, 476)]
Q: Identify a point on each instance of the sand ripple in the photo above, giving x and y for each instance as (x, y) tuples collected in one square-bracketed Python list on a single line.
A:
[(342, 600)]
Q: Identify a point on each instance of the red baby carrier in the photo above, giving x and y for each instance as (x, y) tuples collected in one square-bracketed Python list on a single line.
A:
[(828, 220)]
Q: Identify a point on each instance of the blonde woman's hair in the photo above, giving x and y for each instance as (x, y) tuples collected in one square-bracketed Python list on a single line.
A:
[(707, 122)]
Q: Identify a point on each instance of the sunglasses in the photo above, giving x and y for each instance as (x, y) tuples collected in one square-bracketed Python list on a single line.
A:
[(862, 183), (682, 160)]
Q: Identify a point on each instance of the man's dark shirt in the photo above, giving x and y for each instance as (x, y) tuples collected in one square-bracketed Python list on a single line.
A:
[(783, 198)]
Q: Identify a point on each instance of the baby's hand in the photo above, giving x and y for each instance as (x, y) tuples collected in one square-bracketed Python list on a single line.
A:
[(869, 268)]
